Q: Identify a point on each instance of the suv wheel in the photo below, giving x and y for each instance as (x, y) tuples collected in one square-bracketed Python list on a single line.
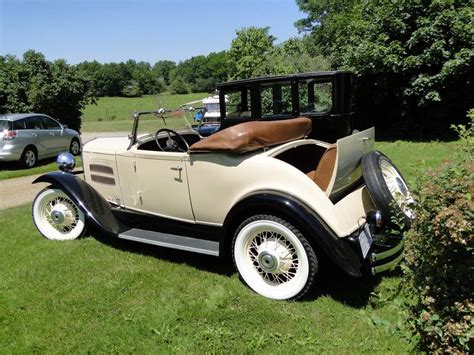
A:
[(273, 258), (75, 147), (29, 157)]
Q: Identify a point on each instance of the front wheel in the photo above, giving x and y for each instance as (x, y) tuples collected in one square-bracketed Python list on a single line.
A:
[(75, 147), (56, 216), (274, 258)]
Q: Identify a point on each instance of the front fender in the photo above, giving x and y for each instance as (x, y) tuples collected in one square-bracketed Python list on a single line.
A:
[(92, 204), (310, 224)]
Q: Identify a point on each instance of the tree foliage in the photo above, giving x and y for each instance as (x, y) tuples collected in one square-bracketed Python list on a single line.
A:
[(413, 58), (253, 54), (34, 84)]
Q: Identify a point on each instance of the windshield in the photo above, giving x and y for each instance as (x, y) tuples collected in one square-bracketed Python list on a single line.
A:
[(212, 107), (5, 124), (174, 120)]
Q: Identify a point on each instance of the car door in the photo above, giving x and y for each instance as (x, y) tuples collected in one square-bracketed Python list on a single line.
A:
[(56, 141), (161, 185), (39, 136)]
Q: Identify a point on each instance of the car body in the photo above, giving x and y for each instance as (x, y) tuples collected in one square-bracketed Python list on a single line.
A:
[(261, 192), (29, 137)]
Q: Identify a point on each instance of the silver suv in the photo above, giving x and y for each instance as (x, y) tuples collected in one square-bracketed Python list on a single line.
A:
[(29, 137)]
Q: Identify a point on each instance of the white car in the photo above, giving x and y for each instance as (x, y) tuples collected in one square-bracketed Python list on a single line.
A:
[(262, 193)]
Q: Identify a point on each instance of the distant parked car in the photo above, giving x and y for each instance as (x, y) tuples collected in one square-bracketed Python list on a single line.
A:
[(29, 137)]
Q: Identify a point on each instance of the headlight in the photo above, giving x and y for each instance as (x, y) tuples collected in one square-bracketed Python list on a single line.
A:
[(66, 162)]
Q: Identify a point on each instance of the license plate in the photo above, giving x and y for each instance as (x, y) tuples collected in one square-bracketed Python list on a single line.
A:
[(365, 240)]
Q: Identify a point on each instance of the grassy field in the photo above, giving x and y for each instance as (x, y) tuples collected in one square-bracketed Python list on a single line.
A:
[(115, 113), (95, 295)]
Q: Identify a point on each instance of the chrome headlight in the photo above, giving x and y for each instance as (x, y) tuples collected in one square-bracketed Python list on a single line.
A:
[(66, 162)]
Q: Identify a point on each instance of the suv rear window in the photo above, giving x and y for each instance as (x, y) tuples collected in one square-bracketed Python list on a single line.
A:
[(5, 124)]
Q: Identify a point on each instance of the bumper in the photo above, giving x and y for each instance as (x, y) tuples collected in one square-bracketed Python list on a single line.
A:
[(7, 155), (387, 253)]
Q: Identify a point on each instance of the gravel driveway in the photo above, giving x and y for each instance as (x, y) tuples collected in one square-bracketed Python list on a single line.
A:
[(18, 191)]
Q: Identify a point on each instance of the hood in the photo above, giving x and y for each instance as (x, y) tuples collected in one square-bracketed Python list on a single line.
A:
[(107, 145)]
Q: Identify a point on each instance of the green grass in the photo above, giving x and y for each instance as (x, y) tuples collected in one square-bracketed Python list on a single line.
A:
[(13, 170), (90, 295), (115, 113), (87, 296)]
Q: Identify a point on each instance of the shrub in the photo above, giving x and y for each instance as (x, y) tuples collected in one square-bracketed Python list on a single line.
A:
[(440, 253), (179, 86)]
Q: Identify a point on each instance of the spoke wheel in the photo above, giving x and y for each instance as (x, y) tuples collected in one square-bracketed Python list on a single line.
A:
[(388, 189), (273, 258), (56, 216)]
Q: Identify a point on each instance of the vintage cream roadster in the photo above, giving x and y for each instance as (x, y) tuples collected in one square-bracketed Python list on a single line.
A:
[(260, 192)]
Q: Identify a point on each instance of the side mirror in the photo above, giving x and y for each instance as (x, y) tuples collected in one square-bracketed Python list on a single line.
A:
[(64, 126)]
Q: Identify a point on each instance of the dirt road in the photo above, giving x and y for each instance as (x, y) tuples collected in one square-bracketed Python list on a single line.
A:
[(18, 191)]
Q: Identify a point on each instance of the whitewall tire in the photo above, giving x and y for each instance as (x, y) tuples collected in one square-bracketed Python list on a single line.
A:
[(273, 258), (56, 216)]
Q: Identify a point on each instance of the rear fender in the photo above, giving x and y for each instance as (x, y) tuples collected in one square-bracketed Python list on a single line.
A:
[(96, 209), (309, 223)]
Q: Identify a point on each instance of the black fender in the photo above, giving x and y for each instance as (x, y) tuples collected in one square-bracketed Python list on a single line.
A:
[(96, 208), (310, 224)]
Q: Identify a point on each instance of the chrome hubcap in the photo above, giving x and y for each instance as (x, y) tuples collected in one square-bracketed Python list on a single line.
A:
[(61, 214), (273, 257), (75, 148), (397, 187), (30, 158)]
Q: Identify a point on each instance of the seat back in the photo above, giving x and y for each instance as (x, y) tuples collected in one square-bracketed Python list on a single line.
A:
[(325, 168)]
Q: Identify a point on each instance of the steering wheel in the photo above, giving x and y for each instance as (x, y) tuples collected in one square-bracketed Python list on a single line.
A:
[(171, 144)]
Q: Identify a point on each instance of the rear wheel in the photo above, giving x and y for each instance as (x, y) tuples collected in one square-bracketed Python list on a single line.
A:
[(29, 157), (274, 258), (56, 216), (387, 188)]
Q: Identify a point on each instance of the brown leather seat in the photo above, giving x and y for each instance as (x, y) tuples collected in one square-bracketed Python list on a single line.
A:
[(323, 172)]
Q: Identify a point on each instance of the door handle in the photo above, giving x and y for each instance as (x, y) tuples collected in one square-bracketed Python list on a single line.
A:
[(51, 134), (34, 135), (177, 168)]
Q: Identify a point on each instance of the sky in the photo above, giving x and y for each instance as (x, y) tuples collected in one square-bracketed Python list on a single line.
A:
[(144, 30)]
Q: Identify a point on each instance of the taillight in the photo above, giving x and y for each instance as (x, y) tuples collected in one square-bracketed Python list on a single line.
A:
[(9, 134)]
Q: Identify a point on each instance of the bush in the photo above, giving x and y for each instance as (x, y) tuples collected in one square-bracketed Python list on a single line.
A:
[(440, 253), (179, 86), (34, 84)]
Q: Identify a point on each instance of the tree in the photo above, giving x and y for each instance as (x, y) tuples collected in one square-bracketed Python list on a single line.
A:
[(163, 69), (248, 52), (34, 84), (179, 86), (413, 59)]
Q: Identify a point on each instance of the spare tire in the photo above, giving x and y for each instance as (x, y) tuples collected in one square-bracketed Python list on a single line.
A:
[(388, 189)]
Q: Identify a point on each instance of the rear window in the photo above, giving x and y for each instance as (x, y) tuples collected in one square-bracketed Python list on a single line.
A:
[(5, 124)]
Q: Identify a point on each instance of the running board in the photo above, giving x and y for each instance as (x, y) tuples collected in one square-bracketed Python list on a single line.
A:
[(194, 245)]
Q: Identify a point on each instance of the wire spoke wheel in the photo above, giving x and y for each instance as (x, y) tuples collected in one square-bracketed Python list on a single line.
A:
[(273, 258), (397, 187), (56, 216)]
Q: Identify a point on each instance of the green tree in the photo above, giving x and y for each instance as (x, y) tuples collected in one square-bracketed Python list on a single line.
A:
[(248, 52), (413, 59), (179, 86), (34, 84), (163, 69)]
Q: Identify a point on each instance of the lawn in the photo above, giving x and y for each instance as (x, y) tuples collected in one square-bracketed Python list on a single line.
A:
[(13, 170), (95, 295), (115, 113)]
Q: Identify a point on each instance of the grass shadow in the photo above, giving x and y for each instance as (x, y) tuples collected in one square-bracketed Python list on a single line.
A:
[(16, 166), (331, 281), (202, 262)]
